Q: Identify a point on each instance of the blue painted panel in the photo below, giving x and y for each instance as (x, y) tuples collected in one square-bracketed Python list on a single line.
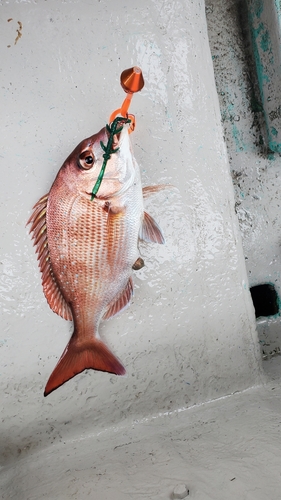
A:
[(265, 26)]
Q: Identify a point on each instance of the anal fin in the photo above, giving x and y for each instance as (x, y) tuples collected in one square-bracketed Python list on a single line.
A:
[(122, 301)]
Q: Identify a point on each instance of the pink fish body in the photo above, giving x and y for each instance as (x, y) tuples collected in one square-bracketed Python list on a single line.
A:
[(86, 249)]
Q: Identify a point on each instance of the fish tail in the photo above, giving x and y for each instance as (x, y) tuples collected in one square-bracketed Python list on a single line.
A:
[(93, 354)]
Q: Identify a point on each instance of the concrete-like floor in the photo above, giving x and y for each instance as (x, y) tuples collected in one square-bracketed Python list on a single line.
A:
[(227, 449)]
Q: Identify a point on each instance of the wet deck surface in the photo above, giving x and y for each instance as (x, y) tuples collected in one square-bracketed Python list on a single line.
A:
[(225, 449)]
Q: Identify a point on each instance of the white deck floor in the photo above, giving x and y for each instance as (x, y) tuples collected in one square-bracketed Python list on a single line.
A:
[(222, 450)]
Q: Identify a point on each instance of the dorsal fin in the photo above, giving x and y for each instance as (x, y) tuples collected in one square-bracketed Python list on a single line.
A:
[(122, 301), (39, 234), (150, 231)]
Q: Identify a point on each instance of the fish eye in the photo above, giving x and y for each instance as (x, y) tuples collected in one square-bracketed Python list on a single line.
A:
[(86, 160)]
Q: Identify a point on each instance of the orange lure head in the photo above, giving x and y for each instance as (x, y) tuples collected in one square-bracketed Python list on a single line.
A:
[(131, 81)]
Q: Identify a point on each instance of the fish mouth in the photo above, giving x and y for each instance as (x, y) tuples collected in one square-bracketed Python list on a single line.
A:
[(117, 138)]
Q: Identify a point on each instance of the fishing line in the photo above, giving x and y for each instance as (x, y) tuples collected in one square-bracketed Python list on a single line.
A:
[(108, 150)]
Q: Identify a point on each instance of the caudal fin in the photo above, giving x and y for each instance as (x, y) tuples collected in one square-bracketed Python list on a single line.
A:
[(75, 360)]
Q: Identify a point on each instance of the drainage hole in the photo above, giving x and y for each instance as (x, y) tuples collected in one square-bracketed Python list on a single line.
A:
[(265, 300)]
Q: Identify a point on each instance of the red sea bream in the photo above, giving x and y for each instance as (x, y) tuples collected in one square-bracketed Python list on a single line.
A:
[(86, 249)]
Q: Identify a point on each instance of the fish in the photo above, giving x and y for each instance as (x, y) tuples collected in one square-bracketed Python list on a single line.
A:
[(87, 248)]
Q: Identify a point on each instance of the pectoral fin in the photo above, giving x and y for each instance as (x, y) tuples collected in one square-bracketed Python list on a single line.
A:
[(150, 231)]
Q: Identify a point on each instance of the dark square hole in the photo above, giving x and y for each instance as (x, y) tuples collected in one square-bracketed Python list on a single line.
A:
[(265, 300)]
